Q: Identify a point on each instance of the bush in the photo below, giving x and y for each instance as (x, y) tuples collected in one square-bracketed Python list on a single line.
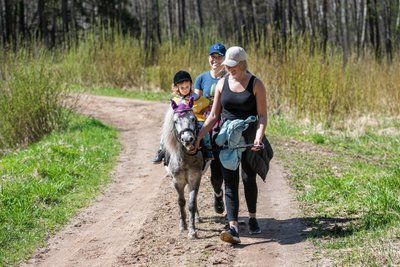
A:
[(32, 102)]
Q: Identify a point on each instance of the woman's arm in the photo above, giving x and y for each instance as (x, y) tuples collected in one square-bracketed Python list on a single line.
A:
[(214, 114), (261, 100)]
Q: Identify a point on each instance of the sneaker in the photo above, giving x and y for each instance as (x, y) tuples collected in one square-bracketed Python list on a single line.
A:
[(219, 204), (230, 236), (254, 229), (158, 158)]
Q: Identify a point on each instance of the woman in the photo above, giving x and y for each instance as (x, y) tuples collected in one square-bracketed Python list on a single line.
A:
[(239, 95), (205, 85)]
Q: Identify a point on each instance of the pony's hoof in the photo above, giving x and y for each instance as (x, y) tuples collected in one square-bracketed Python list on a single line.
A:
[(192, 235), (182, 227)]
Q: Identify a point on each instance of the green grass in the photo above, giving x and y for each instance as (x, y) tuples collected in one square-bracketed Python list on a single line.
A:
[(42, 186), (349, 184)]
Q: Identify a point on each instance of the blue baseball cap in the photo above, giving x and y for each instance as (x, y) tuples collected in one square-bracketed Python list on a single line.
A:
[(217, 48)]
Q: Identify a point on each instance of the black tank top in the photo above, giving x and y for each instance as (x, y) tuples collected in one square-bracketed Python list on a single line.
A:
[(238, 105)]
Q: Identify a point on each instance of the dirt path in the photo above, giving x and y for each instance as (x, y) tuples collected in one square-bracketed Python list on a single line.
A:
[(135, 221)]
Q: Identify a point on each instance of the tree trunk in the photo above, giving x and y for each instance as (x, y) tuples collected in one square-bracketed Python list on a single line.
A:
[(307, 21), (253, 14), (42, 20), (199, 14), (8, 21), (181, 18), (386, 24), (74, 27), (364, 24), (374, 28), (64, 15), (2, 30), (398, 16), (343, 27), (21, 21), (324, 24), (169, 22)]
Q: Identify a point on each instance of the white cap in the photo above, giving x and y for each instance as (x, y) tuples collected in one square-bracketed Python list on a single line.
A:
[(234, 55)]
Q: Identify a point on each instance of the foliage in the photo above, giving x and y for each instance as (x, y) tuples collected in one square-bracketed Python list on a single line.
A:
[(42, 186), (349, 185), (32, 99), (302, 80), (309, 83)]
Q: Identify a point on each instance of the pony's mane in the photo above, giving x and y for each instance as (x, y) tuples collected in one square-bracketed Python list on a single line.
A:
[(171, 143)]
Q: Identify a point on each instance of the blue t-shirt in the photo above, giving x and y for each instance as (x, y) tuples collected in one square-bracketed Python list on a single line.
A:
[(206, 83)]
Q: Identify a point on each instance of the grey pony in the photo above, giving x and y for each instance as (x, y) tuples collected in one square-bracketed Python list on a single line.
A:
[(184, 166)]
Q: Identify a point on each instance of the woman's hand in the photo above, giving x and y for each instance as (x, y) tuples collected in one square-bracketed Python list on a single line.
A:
[(197, 146), (257, 145)]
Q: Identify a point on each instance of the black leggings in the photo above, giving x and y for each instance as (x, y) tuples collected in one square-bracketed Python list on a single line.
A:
[(231, 179), (216, 174)]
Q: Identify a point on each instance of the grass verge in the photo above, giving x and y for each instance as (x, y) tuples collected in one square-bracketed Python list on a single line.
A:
[(42, 186), (348, 183)]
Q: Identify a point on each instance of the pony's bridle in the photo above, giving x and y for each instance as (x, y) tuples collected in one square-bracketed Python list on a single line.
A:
[(193, 131)]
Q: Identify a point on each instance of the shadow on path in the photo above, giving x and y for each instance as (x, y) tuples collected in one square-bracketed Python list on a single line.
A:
[(296, 230)]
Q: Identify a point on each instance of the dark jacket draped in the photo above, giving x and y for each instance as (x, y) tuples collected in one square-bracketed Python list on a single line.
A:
[(258, 160)]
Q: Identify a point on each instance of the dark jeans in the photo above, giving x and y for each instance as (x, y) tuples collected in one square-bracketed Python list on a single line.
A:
[(231, 179)]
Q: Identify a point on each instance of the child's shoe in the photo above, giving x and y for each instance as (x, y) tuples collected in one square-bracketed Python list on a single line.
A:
[(158, 158)]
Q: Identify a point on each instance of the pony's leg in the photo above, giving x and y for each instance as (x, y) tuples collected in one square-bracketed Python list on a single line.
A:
[(193, 211), (197, 217), (181, 202)]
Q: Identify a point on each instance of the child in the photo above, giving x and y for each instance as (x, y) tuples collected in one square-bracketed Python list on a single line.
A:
[(182, 91)]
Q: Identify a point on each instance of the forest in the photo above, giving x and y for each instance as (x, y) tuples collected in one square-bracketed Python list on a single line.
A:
[(352, 26)]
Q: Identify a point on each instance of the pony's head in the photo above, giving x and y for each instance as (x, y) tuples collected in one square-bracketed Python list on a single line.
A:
[(185, 123)]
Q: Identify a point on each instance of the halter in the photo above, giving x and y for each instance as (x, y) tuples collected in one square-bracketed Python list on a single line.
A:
[(182, 112)]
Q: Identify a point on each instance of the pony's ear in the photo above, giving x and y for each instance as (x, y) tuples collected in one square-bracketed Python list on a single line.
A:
[(191, 100), (174, 106)]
